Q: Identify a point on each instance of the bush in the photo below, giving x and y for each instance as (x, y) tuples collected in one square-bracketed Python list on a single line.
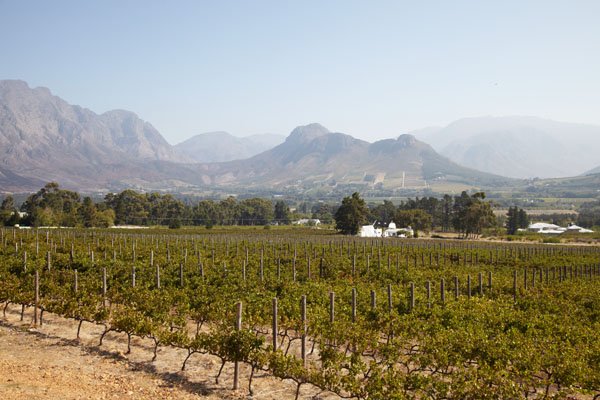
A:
[(175, 224), (551, 240)]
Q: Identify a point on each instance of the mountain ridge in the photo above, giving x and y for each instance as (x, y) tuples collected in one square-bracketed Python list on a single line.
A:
[(518, 146)]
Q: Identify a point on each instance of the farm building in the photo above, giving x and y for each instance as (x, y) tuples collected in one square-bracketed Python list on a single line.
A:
[(306, 221), (369, 231), (542, 227), (578, 229), (551, 229), (392, 231)]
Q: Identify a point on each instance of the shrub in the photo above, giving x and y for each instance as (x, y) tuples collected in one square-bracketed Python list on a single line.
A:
[(551, 240)]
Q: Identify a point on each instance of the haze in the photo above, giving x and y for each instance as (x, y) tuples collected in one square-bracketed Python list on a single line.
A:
[(371, 70)]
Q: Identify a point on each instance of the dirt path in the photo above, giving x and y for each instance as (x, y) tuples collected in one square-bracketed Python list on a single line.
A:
[(47, 363)]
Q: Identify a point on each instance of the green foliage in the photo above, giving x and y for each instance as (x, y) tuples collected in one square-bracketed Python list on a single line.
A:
[(351, 214), (384, 212), (8, 212), (282, 213), (472, 214), (417, 219), (488, 345), (551, 240), (589, 215), (516, 219), (175, 223)]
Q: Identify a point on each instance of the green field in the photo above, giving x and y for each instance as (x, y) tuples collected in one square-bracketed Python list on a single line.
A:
[(384, 319)]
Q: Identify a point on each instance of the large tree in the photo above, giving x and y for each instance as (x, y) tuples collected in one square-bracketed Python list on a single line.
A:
[(8, 212), (384, 212), (255, 211), (472, 214), (516, 218), (418, 220), (351, 214), (282, 213)]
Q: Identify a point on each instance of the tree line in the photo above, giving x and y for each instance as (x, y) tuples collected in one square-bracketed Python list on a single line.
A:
[(53, 206), (465, 214)]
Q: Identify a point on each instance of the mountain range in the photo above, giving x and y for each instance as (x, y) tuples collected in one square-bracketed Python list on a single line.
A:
[(519, 147), (312, 155), (43, 138), (222, 146)]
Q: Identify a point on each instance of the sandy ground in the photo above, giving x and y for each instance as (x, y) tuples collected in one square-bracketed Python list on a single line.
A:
[(45, 362)]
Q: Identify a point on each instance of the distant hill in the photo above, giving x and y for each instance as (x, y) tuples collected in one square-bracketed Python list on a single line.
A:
[(520, 147), (314, 155), (593, 171), (222, 146)]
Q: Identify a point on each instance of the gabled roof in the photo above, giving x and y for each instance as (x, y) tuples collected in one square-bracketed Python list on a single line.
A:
[(542, 225)]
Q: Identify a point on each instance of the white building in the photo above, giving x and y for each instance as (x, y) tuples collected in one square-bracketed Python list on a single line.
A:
[(370, 231), (577, 229), (392, 231), (306, 221), (542, 227), (551, 229)]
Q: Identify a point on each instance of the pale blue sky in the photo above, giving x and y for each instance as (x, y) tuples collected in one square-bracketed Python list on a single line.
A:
[(372, 69)]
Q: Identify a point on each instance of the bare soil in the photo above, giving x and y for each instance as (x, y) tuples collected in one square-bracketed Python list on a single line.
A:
[(46, 362)]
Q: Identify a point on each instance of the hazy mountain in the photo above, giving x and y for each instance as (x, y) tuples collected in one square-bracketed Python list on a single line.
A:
[(43, 138), (522, 147), (265, 140), (222, 146), (314, 155), (593, 171)]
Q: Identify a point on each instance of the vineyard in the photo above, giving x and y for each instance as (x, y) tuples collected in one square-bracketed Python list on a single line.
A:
[(359, 318)]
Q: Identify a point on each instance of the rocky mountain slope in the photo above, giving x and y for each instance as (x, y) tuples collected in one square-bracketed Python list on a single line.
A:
[(43, 138)]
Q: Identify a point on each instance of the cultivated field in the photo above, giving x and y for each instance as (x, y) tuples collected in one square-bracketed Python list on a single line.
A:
[(297, 313)]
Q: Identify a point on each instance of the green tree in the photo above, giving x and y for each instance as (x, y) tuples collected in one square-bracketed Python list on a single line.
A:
[(523, 219), (512, 220), (322, 212), (282, 213), (255, 211), (87, 213), (228, 211), (418, 220), (51, 206), (472, 214), (351, 215), (384, 212), (516, 218), (446, 205), (130, 207), (8, 212), (205, 213)]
